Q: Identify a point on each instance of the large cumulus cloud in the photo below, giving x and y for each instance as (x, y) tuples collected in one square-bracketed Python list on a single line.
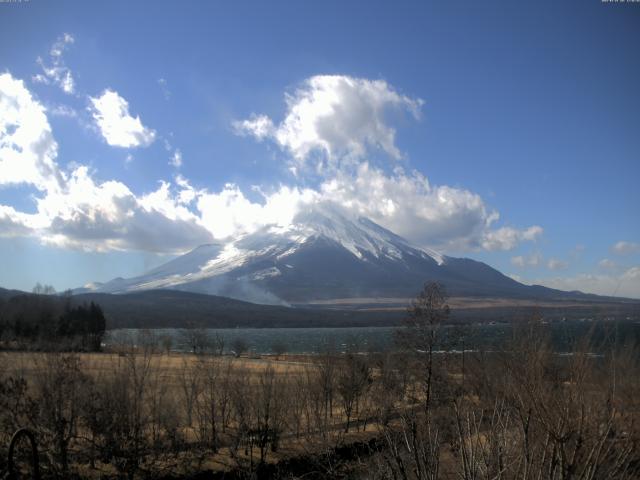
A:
[(331, 125), (27, 148), (338, 116), (108, 216), (73, 209)]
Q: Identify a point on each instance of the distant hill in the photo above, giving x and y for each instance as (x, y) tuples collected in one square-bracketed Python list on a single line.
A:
[(171, 308), (177, 309), (6, 294)]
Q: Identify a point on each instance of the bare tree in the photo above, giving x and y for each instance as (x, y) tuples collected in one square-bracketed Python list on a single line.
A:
[(166, 341), (326, 366), (354, 377), (268, 411), (388, 389), (124, 418), (210, 400), (147, 341), (428, 311), (279, 348), (40, 289), (196, 340), (59, 383), (217, 345), (190, 387), (240, 403), (299, 406), (414, 446), (239, 346)]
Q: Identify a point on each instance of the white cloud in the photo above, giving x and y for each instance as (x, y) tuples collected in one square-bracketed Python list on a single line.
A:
[(332, 123), (260, 126), (62, 111), (14, 223), (440, 217), (576, 252), (186, 193), (627, 284), (74, 210), (165, 89), (339, 117), (507, 238), (517, 278), (117, 126), (518, 261), (607, 264), (56, 71), (521, 261), (176, 159), (230, 212), (557, 264), (85, 213), (27, 147), (108, 216), (625, 248)]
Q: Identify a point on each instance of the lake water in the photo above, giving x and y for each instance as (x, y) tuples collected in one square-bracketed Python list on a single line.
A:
[(364, 339)]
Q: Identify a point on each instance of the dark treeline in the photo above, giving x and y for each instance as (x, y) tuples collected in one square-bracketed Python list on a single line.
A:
[(46, 321)]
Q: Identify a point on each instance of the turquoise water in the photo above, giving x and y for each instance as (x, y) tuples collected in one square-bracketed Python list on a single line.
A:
[(364, 339)]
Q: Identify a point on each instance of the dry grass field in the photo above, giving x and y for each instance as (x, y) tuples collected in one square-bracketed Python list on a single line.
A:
[(523, 412), (178, 383), (96, 364)]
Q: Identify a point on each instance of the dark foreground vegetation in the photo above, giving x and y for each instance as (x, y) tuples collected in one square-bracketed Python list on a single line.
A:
[(44, 321), (521, 412)]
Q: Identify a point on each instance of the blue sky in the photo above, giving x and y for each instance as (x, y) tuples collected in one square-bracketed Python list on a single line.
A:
[(508, 132)]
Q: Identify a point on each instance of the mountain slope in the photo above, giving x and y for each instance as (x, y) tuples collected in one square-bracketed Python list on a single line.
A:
[(323, 254)]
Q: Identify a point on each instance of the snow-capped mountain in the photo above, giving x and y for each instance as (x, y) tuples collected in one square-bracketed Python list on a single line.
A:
[(323, 254)]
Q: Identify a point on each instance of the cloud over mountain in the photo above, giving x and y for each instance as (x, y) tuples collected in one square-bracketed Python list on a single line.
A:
[(437, 216), (331, 126), (336, 118)]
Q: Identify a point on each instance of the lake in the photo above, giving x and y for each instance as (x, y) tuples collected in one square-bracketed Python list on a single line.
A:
[(365, 339)]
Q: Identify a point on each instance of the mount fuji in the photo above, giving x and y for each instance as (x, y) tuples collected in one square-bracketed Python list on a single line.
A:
[(324, 254)]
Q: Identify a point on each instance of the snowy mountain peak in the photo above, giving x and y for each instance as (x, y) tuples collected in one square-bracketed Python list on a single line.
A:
[(358, 235), (324, 255), (320, 242)]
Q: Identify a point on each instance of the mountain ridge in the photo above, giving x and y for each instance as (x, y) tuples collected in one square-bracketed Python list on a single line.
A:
[(324, 253)]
